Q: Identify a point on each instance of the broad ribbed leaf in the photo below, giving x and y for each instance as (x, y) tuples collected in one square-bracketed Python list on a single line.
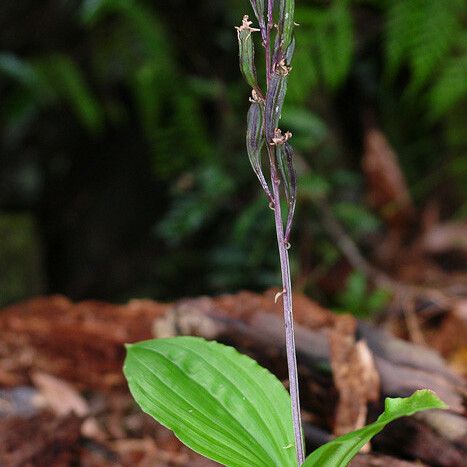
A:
[(217, 401), (255, 142), (339, 452), (274, 101), (289, 177), (247, 54)]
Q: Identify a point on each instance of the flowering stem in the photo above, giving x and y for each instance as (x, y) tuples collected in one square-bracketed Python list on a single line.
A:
[(263, 119), (288, 313)]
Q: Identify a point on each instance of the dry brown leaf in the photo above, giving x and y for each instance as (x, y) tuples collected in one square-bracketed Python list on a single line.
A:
[(458, 361), (92, 429), (354, 374), (387, 188), (450, 339), (40, 440), (60, 396)]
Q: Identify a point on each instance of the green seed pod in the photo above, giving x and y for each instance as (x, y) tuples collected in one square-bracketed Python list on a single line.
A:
[(275, 99), (286, 23), (247, 53), (285, 157), (255, 142)]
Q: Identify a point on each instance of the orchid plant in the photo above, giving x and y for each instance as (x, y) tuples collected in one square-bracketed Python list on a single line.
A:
[(221, 403)]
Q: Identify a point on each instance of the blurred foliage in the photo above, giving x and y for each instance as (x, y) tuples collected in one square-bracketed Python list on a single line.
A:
[(21, 272), (359, 300), (111, 90)]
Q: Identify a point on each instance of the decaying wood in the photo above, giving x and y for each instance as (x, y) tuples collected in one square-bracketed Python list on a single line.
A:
[(412, 438), (443, 238), (354, 374), (373, 460), (41, 440), (83, 344)]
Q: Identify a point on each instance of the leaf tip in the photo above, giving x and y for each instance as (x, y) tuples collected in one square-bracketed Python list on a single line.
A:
[(423, 399), (434, 399)]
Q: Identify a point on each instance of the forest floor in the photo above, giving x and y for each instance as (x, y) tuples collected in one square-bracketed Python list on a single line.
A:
[(64, 401)]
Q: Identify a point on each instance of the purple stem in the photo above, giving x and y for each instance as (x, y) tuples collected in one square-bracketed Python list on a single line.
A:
[(285, 268), (288, 313), (267, 45)]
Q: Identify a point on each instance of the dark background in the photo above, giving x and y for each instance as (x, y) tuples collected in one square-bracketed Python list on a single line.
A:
[(123, 170)]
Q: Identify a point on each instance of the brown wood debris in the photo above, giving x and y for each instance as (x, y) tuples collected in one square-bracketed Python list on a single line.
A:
[(81, 342), (355, 376), (51, 346), (41, 440), (387, 188)]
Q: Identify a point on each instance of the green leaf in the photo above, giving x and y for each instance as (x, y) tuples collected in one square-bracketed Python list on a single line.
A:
[(218, 402), (142, 20), (313, 186), (339, 452), (377, 300), (450, 88), (353, 297), (68, 81), (335, 43), (420, 33), (357, 219), (302, 84)]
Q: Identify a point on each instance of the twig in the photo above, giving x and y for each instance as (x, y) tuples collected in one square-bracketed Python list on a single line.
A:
[(351, 252), (413, 326)]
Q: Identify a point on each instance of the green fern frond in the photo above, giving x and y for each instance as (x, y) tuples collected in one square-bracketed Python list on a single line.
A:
[(420, 33), (327, 44)]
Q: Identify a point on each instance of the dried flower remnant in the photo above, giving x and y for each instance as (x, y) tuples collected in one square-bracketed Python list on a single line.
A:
[(280, 138), (246, 26), (282, 68)]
